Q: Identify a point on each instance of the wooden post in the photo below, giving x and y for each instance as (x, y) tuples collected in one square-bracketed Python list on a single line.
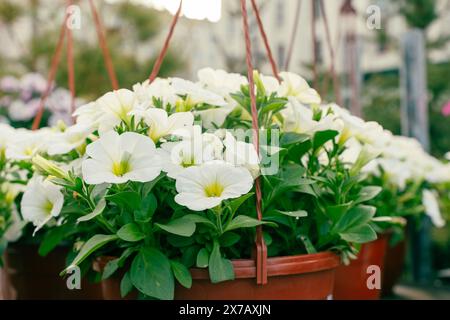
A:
[(414, 121)]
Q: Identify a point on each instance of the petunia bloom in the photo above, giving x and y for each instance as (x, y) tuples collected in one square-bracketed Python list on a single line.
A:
[(118, 158)]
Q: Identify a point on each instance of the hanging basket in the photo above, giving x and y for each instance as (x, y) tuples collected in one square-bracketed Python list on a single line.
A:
[(351, 280), (28, 276), (301, 277)]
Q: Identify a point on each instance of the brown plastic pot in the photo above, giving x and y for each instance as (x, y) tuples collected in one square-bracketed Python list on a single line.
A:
[(30, 276), (351, 280), (302, 277), (393, 266)]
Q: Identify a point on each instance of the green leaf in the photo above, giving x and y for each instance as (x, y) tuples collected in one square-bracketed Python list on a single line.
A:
[(148, 208), (368, 193), (183, 227), (112, 266), (245, 222), (93, 244), (125, 285), (292, 138), (361, 234), (220, 269), (202, 258), (130, 232), (228, 239), (182, 274), (236, 203), (355, 217), (322, 137), (151, 274), (308, 244), (295, 214), (54, 237), (336, 212), (101, 205), (126, 199), (199, 219)]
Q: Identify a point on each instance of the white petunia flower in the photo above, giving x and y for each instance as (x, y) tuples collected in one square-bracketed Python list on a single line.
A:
[(432, 208), (115, 107), (72, 138), (195, 94), (6, 133), (88, 114), (299, 118), (159, 89), (240, 153), (161, 124), (26, 144), (14, 231), (293, 85), (206, 186), (221, 82), (41, 202), (118, 158), (192, 151)]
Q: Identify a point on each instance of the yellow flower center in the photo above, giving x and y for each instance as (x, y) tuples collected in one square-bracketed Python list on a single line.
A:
[(121, 168), (184, 105), (28, 151), (187, 161), (48, 207), (214, 190)]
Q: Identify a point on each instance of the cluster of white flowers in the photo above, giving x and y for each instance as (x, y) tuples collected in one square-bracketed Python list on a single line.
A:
[(207, 167)]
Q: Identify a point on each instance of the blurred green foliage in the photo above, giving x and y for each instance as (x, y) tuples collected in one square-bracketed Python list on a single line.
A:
[(418, 13)]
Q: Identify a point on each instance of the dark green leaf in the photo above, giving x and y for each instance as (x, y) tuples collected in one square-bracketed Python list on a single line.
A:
[(182, 274), (355, 217), (220, 269), (125, 285), (245, 222), (126, 199), (361, 234), (130, 232), (292, 138), (54, 237), (97, 211), (93, 244), (152, 275), (183, 227), (228, 239), (202, 258), (322, 137), (148, 208), (236, 203), (368, 193)]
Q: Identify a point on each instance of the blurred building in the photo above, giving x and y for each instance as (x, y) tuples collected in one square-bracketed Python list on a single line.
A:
[(221, 44)]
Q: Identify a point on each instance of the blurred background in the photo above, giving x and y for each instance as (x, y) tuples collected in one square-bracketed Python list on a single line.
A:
[(391, 57)]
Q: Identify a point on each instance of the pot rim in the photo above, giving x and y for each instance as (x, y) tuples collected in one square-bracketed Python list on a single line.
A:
[(276, 266)]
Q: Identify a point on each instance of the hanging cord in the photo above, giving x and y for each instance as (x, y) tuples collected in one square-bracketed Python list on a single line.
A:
[(163, 52), (261, 249), (314, 44), (51, 75), (70, 67), (293, 35), (104, 46), (273, 64), (336, 85)]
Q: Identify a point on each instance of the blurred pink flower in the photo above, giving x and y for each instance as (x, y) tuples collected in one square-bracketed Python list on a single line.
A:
[(446, 109)]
